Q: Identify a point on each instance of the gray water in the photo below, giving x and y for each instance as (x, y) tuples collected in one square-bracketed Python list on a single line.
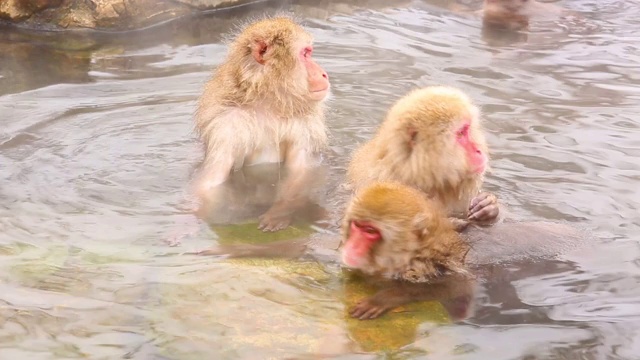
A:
[(96, 151)]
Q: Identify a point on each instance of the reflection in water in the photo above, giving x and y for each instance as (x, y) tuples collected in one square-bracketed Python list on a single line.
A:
[(454, 292), (96, 149), (25, 67)]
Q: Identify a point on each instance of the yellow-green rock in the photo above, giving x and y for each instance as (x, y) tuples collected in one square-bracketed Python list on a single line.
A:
[(392, 330), (248, 233)]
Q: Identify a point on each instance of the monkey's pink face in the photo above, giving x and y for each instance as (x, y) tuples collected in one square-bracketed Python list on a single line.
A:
[(476, 158), (362, 237), (317, 78)]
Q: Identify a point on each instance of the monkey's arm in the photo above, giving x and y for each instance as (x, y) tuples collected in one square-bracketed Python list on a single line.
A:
[(226, 140), (215, 172), (206, 186), (207, 192)]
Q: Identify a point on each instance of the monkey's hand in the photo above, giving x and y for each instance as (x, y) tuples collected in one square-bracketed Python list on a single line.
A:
[(369, 308), (275, 219), (484, 208), (459, 224)]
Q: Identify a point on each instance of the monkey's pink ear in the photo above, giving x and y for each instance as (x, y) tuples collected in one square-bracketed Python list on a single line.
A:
[(412, 134), (258, 49)]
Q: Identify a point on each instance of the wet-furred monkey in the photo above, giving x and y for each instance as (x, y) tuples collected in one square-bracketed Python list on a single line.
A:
[(402, 242), (396, 233), (264, 104), (432, 139)]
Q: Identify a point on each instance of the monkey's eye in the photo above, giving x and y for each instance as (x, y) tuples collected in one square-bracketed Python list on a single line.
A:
[(369, 230), (364, 227), (464, 130), (307, 52)]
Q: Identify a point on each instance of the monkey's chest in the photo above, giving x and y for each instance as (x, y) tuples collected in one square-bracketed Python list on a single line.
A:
[(265, 153)]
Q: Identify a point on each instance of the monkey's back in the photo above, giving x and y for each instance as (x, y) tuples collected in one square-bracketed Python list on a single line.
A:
[(516, 241)]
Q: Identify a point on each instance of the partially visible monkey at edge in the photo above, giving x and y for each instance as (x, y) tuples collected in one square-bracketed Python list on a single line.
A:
[(507, 21), (505, 14), (504, 22), (515, 14), (432, 139), (264, 104)]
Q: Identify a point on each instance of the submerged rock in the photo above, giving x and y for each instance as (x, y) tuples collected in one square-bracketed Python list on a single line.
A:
[(249, 233), (278, 308), (101, 14)]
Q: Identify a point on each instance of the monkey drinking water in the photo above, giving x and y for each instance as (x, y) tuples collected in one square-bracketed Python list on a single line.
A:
[(395, 234)]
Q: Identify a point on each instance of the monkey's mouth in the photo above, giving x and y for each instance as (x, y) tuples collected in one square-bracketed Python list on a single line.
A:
[(350, 261), (478, 169), (319, 94)]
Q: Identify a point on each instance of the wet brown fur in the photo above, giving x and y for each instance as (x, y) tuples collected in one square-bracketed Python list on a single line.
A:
[(418, 242)]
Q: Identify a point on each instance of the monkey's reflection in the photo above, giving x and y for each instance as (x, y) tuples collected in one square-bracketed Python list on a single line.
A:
[(451, 299), (445, 300), (453, 291)]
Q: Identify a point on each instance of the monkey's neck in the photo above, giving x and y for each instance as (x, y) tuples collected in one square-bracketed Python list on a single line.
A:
[(278, 101), (289, 107)]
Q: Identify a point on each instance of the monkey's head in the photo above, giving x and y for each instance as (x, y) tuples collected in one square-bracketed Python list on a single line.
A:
[(272, 59), (393, 230), (436, 137), (505, 17)]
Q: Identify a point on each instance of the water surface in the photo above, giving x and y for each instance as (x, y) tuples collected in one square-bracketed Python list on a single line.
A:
[(96, 149)]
